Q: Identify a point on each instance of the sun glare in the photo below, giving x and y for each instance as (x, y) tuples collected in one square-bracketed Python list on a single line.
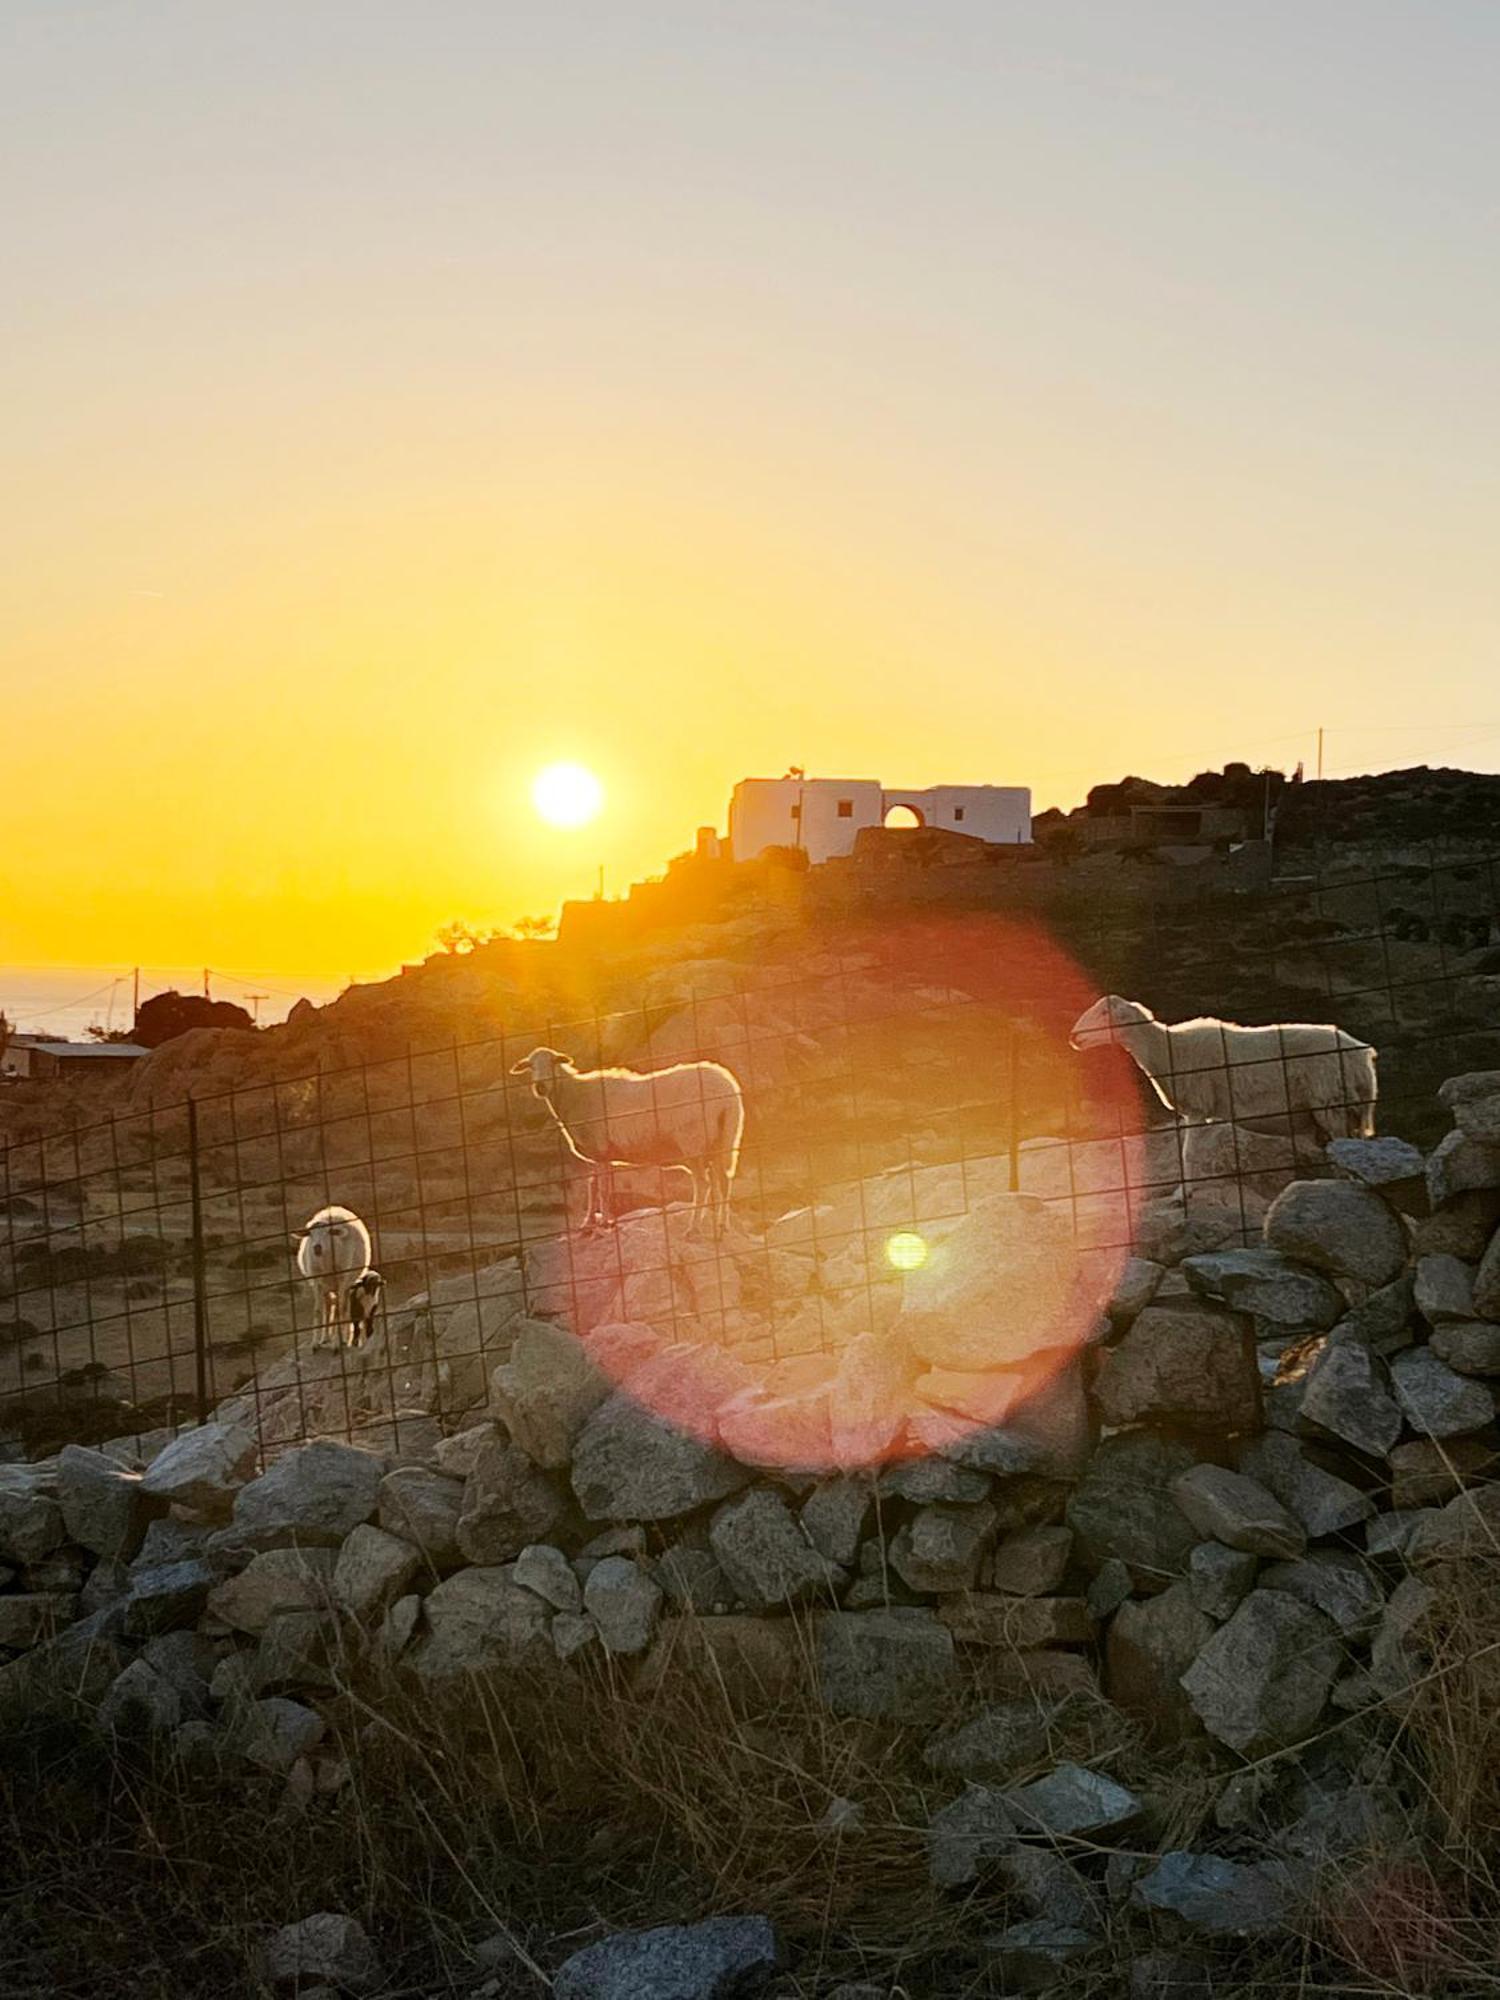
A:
[(567, 795)]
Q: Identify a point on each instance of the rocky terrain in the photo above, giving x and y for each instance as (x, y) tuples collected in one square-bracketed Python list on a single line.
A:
[(1083, 1610)]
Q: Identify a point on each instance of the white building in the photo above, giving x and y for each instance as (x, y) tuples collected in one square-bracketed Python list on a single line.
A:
[(822, 815)]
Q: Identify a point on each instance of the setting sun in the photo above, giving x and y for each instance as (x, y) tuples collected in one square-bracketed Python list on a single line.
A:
[(567, 795)]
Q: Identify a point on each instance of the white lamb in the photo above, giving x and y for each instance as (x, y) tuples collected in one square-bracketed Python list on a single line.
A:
[(691, 1115), (333, 1254), (1312, 1081)]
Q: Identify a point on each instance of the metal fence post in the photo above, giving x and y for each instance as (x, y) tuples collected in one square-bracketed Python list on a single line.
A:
[(200, 1281), (1015, 1109)]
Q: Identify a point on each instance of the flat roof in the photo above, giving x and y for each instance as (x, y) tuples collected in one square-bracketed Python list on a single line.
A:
[(68, 1050)]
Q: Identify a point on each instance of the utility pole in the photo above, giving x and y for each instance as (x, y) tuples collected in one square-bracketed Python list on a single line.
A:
[(255, 1000), (135, 997), (1320, 753), (206, 994)]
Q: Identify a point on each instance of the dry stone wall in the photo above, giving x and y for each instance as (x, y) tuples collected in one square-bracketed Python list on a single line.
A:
[(1219, 1514)]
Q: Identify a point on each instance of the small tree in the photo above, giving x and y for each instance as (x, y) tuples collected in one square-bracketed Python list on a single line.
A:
[(534, 927)]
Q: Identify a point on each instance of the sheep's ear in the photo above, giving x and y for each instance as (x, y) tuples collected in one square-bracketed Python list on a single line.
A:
[(520, 1068)]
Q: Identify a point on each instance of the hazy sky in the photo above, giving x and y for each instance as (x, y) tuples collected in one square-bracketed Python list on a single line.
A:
[(397, 398)]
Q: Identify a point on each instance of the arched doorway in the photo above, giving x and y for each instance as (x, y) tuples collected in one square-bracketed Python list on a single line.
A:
[(903, 816)]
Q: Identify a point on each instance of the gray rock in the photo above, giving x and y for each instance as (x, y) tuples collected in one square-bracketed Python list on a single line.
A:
[(1040, 1953), (1399, 1654), (1215, 1897), (422, 1508), (316, 1494), (1218, 1578), (1487, 1280), (1389, 1535), (170, 1540), (1459, 1165), (999, 1287), (1134, 1290), (1427, 1471), (1232, 1508), (572, 1633), (1183, 1365), (939, 1550), (103, 1507), (275, 1581), (140, 1698), (163, 1599), (374, 1568), (1346, 1395), (185, 1660), (969, 1836), (1321, 1501), (1462, 1228), (1032, 1562), (398, 1627), (298, 1650), (924, 1479), (630, 1466), (1472, 1349), (1392, 1165), (1381, 1320), (1468, 1525), (31, 1522), (28, 1618), (720, 1959), (692, 1580), (1151, 1643), (74, 1668), (1286, 1296), (547, 1572), (1335, 1582), (478, 1620), (1109, 1589), (326, 1946), (203, 1469), (993, 1745), (834, 1514), (275, 1732), (761, 1548), (1337, 1227), (1047, 1436), (896, 1664), (1350, 1821), (1436, 1401), (1474, 1100), (1443, 1289), (546, 1391), (624, 1604), (1073, 1802), (508, 1503), (1263, 1679), (1123, 1507), (1049, 1886)]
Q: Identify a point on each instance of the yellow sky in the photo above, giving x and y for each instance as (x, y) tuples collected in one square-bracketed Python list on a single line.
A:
[(1010, 399)]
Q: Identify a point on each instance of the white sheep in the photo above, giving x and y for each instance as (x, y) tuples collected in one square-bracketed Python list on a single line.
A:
[(691, 1115), (1310, 1080), (333, 1254)]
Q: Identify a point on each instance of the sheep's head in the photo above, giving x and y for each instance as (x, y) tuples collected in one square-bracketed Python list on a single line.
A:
[(542, 1066), (1104, 1022)]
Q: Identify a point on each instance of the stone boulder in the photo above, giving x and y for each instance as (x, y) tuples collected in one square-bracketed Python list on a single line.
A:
[(374, 1568), (624, 1604), (1073, 1802), (1182, 1365), (1338, 1227), (31, 1521), (1151, 1643), (1474, 1100), (723, 1958), (941, 1547), (1324, 1503), (1286, 1297), (630, 1466), (275, 1581), (423, 1507), (478, 1620), (888, 1665), (103, 1507), (1435, 1400), (546, 1391), (1347, 1394), (317, 1494), (203, 1469), (327, 1947), (508, 1503), (1123, 1507), (764, 1553), (1263, 1680), (1000, 1292), (1232, 1508), (1216, 1897)]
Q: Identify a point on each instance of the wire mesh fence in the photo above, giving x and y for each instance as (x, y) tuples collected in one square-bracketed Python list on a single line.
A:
[(892, 1086)]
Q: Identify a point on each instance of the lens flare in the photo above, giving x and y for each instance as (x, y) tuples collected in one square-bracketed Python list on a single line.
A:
[(906, 1250)]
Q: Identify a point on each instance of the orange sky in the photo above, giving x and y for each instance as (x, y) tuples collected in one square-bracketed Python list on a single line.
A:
[(981, 393)]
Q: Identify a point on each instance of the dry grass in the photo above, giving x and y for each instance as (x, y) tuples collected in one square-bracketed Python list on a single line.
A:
[(557, 1811)]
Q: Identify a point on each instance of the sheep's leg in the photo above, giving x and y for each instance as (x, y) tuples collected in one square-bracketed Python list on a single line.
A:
[(607, 1219), (590, 1204), (702, 1188)]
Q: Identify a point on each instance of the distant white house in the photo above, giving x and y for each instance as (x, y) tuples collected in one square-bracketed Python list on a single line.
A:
[(823, 815)]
